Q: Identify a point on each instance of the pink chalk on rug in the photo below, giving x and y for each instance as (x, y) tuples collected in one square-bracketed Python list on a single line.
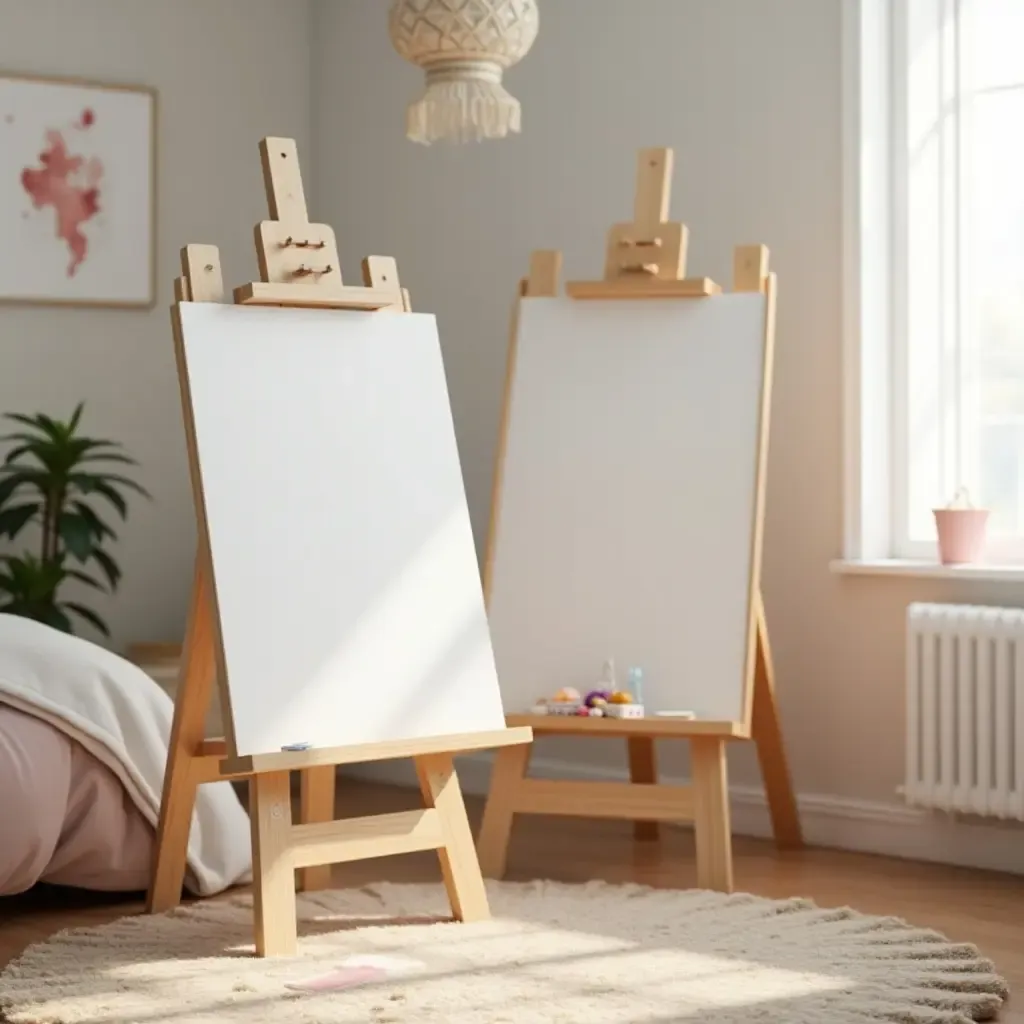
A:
[(358, 970), (343, 977)]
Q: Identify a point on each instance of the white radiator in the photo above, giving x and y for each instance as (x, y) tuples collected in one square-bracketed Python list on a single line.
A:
[(965, 709)]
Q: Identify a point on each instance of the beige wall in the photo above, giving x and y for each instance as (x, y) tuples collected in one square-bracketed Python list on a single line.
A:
[(749, 96), (228, 73), (757, 139)]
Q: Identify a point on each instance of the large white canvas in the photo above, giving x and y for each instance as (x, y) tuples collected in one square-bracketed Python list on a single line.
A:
[(82, 231), (345, 571), (627, 503)]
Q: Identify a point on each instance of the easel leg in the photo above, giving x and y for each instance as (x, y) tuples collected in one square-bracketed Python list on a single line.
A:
[(187, 733), (510, 766), (766, 730), (643, 770), (273, 876), (459, 865), (316, 804), (711, 824)]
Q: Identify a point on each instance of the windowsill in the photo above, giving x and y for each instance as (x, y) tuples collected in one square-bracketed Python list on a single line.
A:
[(932, 570)]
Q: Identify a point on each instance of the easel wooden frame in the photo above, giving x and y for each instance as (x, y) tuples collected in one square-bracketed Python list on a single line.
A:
[(299, 267), (646, 258)]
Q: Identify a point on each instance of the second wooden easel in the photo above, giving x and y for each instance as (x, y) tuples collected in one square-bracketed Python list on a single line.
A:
[(299, 267), (646, 258)]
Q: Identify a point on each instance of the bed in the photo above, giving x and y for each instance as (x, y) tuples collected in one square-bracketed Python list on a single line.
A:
[(67, 818), (83, 744)]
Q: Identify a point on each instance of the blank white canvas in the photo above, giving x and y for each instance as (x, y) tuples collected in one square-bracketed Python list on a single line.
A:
[(627, 503), (343, 558)]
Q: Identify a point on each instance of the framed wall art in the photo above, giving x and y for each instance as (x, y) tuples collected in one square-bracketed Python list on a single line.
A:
[(77, 192)]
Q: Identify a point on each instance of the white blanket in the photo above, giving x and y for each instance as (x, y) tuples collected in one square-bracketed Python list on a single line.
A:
[(123, 719)]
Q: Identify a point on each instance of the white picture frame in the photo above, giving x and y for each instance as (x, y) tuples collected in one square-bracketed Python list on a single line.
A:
[(77, 192)]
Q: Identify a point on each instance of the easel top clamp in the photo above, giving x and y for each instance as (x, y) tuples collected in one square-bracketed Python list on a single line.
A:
[(298, 261), (299, 267), (645, 258)]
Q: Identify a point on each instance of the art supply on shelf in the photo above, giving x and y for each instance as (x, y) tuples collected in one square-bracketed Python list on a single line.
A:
[(563, 707), (624, 709), (608, 675), (635, 682), (597, 702), (566, 702), (624, 704)]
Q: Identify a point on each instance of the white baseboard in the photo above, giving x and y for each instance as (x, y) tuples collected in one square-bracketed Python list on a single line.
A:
[(893, 830)]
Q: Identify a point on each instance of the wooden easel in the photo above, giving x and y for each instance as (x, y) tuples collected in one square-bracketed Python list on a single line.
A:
[(298, 264), (646, 258)]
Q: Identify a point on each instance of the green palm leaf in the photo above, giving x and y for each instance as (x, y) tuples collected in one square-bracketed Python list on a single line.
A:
[(18, 417), (15, 478), (107, 565), (87, 483), (126, 460), (20, 435), (16, 453), (8, 486), (15, 518), (51, 427), (99, 528), (96, 449), (77, 535), (123, 481), (90, 616), (53, 616), (75, 574), (40, 422)]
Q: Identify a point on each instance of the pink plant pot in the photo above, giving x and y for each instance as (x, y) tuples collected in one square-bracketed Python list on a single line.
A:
[(961, 534)]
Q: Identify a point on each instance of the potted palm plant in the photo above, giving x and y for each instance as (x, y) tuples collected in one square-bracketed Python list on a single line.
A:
[(55, 483)]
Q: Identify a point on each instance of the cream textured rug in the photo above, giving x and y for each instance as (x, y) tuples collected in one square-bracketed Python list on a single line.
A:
[(590, 954)]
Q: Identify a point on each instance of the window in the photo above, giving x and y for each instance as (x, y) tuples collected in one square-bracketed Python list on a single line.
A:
[(935, 142)]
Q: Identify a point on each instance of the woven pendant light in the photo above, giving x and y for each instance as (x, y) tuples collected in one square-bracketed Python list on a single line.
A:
[(463, 46)]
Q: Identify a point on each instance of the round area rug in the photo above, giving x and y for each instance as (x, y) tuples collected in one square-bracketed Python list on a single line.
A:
[(585, 954)]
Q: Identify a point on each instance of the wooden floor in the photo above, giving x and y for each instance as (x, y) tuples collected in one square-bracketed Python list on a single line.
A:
[(968, 906)]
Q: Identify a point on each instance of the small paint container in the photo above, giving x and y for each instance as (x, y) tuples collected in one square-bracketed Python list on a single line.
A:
[(624, 711)]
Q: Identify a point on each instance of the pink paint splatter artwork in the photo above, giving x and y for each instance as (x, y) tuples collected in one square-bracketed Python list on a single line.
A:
[(70, 184)]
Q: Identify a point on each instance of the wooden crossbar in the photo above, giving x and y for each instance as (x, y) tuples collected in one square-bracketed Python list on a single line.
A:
[(381, 835), (642, 288), (296, 760), (668, 728), (259, 293), (635, 802)]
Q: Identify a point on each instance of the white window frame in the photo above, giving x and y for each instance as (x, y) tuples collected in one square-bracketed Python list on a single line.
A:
[(867, 258), (874, 314)]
